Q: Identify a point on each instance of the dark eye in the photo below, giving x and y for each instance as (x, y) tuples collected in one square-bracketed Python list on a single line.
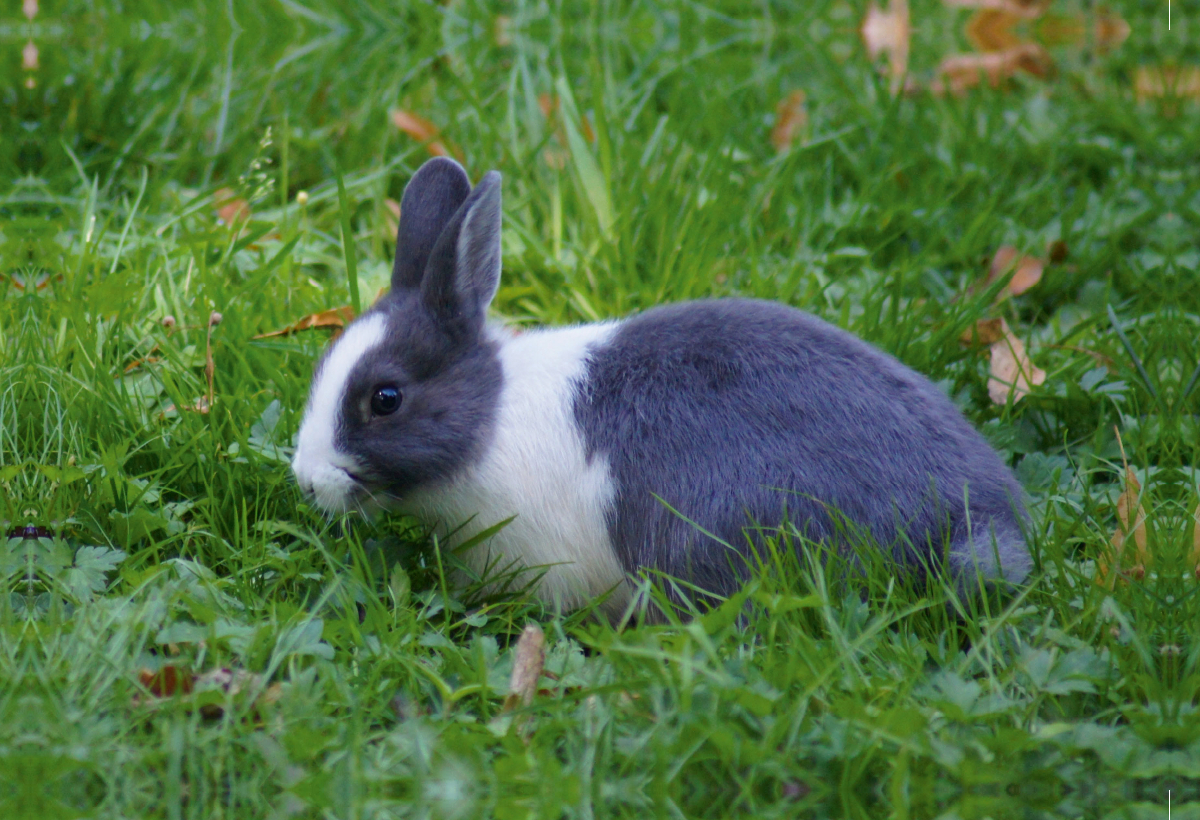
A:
[(385, 400)]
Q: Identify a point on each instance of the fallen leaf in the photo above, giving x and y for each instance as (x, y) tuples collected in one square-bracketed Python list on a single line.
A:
[(136, 363), (992, 30), (210, 364), (166, 681), (1154, 82), (1002, 260), (30, 280), (333, 318), (791, 121), (1133, 517), (1027, 273), (233, 682), (1013, 375), (419, 129), (1196, 541), (888, 32), (171, 680), (230, 207), (391, 217), (1057, 252), (529, 657), (1109, 30), (1132, 522), (984, 331), (1062, 30), (548, 105), (555, 154), (960, 72), (1027, 9)]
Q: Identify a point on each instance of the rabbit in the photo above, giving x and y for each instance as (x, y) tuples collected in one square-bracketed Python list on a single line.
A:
[(655, 442)]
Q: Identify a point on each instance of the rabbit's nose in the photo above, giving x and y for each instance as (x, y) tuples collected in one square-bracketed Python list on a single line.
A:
[(304, 480), (303, 477)]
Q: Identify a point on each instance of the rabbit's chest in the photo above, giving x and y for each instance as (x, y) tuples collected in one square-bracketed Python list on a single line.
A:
[(535, 470), (558, 522)]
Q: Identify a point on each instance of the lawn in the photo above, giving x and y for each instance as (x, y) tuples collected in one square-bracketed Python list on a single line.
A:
[(182, 635)]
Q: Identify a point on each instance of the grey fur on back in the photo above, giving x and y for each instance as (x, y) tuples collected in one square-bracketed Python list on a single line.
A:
[(733, 410)]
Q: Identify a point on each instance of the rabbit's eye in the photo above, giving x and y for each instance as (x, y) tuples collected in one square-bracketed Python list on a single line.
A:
[(385, 400)]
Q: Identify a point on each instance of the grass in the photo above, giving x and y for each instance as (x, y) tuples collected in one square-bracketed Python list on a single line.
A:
[(150, 540)]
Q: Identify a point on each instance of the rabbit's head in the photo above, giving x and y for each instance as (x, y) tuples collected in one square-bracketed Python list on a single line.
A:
[(407, 395)]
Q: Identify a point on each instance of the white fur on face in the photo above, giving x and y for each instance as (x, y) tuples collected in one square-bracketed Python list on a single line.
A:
[(318, 466), (536, 468)]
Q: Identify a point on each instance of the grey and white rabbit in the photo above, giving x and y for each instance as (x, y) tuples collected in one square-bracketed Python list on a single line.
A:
[(734, 412)]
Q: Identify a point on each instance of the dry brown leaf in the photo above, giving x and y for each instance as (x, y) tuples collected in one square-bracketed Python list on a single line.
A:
[(420, 129), (234, 682), (791, 121), (1013, 375), (548, 105), (1109, 30), (555, 156), (334, 318), (888, 32), (230, 207), (1132, 521), (1027, 273), (30, 281), (1196, 541), (1004, 258), (391, 217), (172, 680), (984, 332), (414, 125), (528, 659), (1153, 82), (1027, 9), (1132, 516), (136, 363), (210, 365), (1061, 30), (992, 30), (960, 72), (166, 681), (1057, 252)]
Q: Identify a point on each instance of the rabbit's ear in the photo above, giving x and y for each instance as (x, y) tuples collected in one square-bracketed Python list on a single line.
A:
[(433, 196), (464, 266)]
